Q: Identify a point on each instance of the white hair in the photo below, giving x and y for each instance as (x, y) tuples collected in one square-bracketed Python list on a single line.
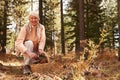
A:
[(34, 14)]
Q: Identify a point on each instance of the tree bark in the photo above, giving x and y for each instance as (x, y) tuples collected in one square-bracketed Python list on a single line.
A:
[(118, 1), (81, 19), (80, 27), (40, 11), (3, 41), (62, 29)]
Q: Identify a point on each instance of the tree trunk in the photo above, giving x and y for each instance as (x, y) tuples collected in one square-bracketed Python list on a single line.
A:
[(3, 41), (80, 27), (31, 5), (118, 1), (40, 11), (81, 19), (62, 29)]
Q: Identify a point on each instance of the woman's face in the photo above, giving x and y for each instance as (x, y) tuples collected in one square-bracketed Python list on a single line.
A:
[(33, 20)]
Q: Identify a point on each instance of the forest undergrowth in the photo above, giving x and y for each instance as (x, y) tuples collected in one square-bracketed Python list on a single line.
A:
[(104, 67)]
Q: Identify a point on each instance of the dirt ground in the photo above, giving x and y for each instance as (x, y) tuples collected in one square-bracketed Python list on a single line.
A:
[(105, 67)]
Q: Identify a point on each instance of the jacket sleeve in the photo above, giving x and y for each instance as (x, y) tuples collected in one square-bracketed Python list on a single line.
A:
[(42, 38), (19, 43)]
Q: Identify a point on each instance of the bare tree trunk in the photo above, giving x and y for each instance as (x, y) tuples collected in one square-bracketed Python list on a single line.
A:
[(31, 5), (81, 19), (62, 30), (3, 41), (118, 1), (40, 11), (80, 27)]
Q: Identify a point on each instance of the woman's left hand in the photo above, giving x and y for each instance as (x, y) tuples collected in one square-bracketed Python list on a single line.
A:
[(41, 51)]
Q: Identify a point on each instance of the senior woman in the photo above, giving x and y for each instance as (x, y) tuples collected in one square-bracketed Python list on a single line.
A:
[(31, 41)]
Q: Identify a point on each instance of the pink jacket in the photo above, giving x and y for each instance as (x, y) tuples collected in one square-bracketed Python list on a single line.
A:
[(26, 33)]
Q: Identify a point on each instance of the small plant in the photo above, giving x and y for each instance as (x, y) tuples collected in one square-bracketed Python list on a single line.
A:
[(91, 50)]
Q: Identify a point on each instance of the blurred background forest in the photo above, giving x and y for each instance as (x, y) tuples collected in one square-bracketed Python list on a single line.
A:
[(69, 24), (82, 39)]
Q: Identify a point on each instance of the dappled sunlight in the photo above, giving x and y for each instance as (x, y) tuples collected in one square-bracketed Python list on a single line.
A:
[(63, 67), (10, 60), (2, 75), (11, 63)]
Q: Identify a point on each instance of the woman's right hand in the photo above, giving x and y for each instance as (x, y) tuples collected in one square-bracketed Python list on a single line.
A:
[(31, 54)]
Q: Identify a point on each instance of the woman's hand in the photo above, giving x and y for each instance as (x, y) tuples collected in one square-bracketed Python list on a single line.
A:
[(41, 51), (32, 54)]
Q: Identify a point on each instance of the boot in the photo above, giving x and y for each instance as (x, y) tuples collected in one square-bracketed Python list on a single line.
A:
[(27, 70)]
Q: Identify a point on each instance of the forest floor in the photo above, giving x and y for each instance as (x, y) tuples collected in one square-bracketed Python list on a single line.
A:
[(105, 67)]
